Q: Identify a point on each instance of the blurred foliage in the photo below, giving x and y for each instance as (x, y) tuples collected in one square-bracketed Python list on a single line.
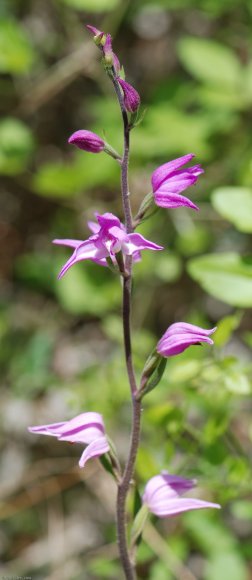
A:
[(61, 341)]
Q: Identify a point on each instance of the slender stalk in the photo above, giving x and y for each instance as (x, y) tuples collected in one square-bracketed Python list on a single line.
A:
[(123, 489), (124, 484), (125, 160)]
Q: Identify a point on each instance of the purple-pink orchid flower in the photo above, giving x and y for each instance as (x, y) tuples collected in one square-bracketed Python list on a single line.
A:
[(163, 492), (180, 336), (87, 429), (131, 96), (169, 180), (87, 141), (109, 237)]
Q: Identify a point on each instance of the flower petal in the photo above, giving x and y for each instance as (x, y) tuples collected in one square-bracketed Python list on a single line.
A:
[(186, 327), (95, 449), (85, 251), (163, 172), (173, 200), (52, 429), (172, 507), (84, 428), (175, 345), (138, 242), (69, 243)]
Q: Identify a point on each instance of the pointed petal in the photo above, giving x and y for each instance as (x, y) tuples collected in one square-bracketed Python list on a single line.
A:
[(84, 428), (95, 31), (175, 345), (52, 429), (173, 200), (163, 172), (108, 220), (186, 327), (94, 227), (86, 251), (164, 509), (95, 449), (138, 242), (180, 484), (70, 243)]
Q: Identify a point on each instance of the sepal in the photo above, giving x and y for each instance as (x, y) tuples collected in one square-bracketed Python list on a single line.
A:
[(138, 526), (152, 373)]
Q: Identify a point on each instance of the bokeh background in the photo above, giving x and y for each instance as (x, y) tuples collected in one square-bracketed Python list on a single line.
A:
[(61, 342)]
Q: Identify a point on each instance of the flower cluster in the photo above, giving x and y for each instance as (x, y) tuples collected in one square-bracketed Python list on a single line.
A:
[(113, 244), (162, 493), (130, 95), (108, 239)]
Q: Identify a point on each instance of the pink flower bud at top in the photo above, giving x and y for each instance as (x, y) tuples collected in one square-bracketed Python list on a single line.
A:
[(87, 141), (98, 35), (131, 96)]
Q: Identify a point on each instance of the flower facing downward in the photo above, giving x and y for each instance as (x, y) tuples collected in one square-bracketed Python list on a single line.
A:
[(87, 141), (169, 180), (163, 492), (131, 96), (109, 237), (180, 336), (87, 428)]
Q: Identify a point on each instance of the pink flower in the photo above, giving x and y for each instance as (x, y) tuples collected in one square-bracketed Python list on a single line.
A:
[(87, 428), (87, 141), (162, 496), (109, 237), (180, 336), (168, 181), (131, 96)]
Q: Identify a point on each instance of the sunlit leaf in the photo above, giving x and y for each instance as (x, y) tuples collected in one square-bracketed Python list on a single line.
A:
[(16, 145), (77, 290), (16, 52), (226, 276), (235, 205), (210, 61), (225, 328)]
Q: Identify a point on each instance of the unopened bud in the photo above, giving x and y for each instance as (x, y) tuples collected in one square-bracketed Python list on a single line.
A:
[(131, 96), (87, 141)]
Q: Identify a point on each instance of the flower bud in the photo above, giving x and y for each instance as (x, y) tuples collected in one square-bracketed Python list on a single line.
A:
[(99, 37), (87, 141), (131, 96)]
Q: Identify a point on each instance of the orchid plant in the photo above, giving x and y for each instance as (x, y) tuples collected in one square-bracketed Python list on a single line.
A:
[(118, 246)]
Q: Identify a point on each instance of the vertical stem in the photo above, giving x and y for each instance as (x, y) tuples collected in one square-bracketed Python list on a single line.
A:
[(123, 489), (124, 485)]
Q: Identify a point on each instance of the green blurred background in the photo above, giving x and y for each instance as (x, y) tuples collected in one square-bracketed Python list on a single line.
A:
[(61, 342)]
